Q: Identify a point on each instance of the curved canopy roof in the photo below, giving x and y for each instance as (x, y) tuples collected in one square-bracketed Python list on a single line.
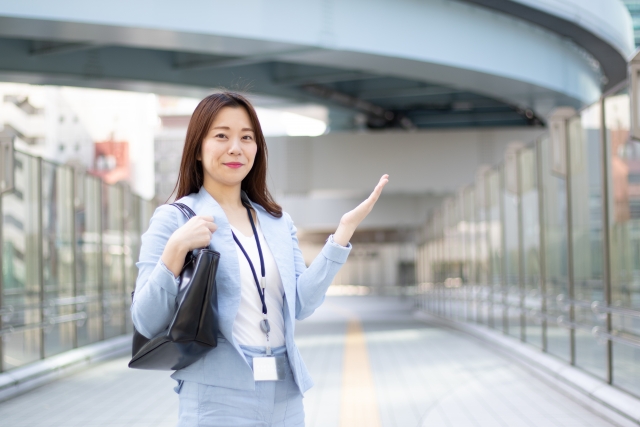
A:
[(400, 64)]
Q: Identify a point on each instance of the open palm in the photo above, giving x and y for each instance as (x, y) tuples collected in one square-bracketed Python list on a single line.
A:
[(354, 217)]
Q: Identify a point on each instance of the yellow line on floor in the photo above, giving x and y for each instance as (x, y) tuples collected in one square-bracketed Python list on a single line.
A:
[(359, 406)]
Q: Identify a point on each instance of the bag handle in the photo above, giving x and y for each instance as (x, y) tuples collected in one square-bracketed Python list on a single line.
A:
[(186, 210)]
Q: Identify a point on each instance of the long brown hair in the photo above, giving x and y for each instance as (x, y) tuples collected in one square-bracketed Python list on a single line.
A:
[(191, 175)]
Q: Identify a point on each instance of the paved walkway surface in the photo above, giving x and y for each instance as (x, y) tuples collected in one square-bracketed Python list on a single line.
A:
[(373, 362)]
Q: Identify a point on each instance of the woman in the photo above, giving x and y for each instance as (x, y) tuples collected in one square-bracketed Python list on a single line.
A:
[(263, 283)]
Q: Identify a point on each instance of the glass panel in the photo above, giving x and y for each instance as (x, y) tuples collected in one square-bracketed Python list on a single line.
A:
[(485, 241), (88, 229), (131, 250), (439, 261), (495, 249), (482, 263), (585, 167), (437, 273), (624, 217), (446, 256), (67, 239), (555, 229), (459, 255), (21, 267), (432, 267), (470, 246), (114, 302), (531, 246), (58, 254), (512, 244)]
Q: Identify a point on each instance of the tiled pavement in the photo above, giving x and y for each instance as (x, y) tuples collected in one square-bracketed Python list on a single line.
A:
[(423, 375)]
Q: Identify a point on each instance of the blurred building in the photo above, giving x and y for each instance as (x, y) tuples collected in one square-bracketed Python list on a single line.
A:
[(167, 145), (111, 161), (44, 124)]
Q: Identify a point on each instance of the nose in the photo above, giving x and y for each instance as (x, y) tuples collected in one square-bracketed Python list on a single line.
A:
[(234, 148)]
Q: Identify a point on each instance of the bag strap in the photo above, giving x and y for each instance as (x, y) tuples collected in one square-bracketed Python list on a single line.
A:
[(186, 210)]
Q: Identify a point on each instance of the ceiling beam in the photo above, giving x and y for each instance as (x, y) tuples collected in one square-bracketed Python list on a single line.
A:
[(378, 116), (323, 78), (406, 92), (43, 48), (239, 61)]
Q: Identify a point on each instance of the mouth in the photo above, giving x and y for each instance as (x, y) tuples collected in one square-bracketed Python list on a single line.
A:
[(233, 165)]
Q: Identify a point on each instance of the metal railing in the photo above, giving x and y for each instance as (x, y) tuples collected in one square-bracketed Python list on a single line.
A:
[(70, 242), (547, 240)]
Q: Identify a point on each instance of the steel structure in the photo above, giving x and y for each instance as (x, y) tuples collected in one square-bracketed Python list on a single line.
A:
[(403, 64)]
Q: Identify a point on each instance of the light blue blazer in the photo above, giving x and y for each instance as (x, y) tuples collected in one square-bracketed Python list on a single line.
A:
[(304, 288)]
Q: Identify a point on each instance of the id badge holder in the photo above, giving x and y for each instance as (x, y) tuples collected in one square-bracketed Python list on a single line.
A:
[(269, 368)]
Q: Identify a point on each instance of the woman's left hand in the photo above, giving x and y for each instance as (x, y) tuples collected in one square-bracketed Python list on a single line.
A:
[(353, 218)]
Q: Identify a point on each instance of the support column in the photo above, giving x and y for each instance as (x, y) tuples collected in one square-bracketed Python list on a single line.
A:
[(39, 246), (543, 245), (606, 238)]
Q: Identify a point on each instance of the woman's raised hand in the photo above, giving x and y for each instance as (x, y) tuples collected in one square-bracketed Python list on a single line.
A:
[(353, 218), (196, 233)]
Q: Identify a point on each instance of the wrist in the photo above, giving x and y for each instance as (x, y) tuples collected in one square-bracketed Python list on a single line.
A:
[(173, 256), (177, 247), (346, 227), (343, 234), (332, 240)]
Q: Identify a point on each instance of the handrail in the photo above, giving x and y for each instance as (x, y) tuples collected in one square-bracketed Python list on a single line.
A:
[(567, 324), (60, 302), (597, 307), (617, 336), (598, 332), (66, 318)]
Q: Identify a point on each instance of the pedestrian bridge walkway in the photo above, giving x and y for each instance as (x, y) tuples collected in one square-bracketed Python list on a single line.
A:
[(375, 363)]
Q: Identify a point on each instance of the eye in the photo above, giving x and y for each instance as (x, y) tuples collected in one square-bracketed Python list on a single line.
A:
[(248, 138), (221, 135)]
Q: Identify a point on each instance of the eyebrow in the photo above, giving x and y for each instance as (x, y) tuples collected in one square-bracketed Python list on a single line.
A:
[(228, 128)]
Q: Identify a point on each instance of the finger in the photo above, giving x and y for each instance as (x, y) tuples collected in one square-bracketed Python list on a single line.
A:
[(212, 226), (379, 187), (206, 218), (378, 190), (375, 194), (383, 181)]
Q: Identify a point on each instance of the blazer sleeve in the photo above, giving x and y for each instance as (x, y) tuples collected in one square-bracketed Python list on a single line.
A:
[(156, 287), (312, 282)]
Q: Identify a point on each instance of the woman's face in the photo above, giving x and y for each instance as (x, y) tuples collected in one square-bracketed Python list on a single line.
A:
[(230, 147)]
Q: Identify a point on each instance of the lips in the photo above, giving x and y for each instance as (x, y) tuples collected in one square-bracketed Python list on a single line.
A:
[(233, 165)]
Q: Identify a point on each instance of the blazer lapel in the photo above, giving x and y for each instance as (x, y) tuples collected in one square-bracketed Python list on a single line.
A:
[(279, 243), (228, 274)]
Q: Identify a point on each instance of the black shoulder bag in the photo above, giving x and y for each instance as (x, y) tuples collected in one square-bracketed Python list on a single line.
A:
[(193, 331)]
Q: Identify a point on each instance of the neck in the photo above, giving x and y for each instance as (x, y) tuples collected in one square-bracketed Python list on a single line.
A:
[(227, 196)]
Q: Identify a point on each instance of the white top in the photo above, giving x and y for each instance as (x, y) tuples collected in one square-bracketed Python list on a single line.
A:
[(246, 328)]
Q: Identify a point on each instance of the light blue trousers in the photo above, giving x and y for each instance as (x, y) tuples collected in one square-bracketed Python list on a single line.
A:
[(271, 404)]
